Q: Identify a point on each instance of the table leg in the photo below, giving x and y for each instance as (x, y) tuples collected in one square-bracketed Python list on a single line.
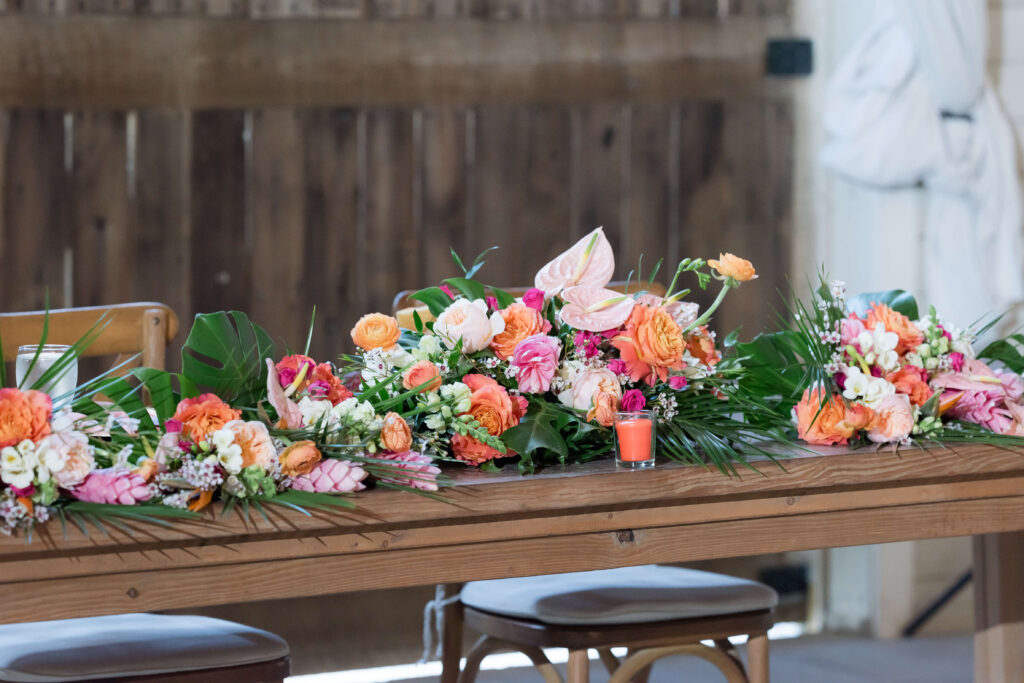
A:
[(999, 608), (451, 638)]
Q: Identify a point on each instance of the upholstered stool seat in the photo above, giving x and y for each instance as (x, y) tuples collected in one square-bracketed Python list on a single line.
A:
[(140, 647), (653, 610)]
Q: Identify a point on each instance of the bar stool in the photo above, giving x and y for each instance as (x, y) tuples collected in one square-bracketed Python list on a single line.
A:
[(654, 611), (150, 648)]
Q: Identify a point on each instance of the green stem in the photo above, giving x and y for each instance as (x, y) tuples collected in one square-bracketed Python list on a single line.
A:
[(672, 285), (708, 313)]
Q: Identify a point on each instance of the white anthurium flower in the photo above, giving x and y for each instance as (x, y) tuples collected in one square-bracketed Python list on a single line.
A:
[(230, 458), (856, 383), (20, 479), (11, 460), (222, 438)]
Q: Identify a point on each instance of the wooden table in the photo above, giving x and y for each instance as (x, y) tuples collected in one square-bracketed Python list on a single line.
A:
[(585, 517)]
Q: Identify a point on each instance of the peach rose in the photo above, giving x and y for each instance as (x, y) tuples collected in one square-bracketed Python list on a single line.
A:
[(822, 425), (908, 380), (521, 321), (376, 331), (254, 439), (590, 383), (23, 415), (905, 329), (68, 456), (299, 458), (323, 383), (468, 321), (728, 265), (422, 374), (203, 415), (395, 435), (651, 345), (894, 419), (496, 412), (603, 412)]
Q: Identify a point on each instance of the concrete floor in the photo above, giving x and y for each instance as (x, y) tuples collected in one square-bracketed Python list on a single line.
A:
[(828, 659)]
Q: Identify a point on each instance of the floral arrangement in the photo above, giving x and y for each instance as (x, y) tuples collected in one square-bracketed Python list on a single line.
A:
[(481, 376), (286, 432), (869, 369)]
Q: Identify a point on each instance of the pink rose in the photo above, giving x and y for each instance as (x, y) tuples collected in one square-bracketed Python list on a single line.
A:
[(849, 328), (894, 419), (468, 320), (68, 457), (587, 384), (534, 298), (536, 361), (677, 382), (633, 400)]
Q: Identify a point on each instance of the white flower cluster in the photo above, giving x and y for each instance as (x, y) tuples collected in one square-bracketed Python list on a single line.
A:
[(878, 347), (14, 515), (444, 404), (381, 364), (28, 463), (355, 414), (870, 390)]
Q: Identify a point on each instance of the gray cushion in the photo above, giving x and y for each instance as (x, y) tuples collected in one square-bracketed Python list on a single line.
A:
[(630, 595), (129, 645)]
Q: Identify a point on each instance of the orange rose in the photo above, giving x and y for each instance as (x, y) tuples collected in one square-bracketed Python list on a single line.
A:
[(651, 345), (23, 415), (254, 439), (739, 269), (495, 410), (894, 419), (910, 336), (823, 425), (325, 384), (702, 347), (376, 331), (521, 322), (858, 417), (299, 458), (605, 405), (907, 380), (395, 435), (422, 373), (203, 415)]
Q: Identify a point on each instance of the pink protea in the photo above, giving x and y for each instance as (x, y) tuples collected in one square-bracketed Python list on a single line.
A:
[(115, 485), (332, 476), (421, 472)]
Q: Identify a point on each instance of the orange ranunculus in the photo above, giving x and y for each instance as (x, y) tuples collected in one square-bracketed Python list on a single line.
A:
[(325, 384), (376, 331), (908, 380), (255, 442), (651, 345), (521, 322), (23, 415), (292, 367), (422, 374), (702, 347), (496, 412), (299, 458), (603, 411), (822, 425), (910, 336), (395, 435), (729, 265), (203, 415), (858, 417)]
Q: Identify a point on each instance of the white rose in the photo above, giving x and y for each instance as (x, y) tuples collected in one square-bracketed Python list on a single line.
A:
[(467, 320), (429, 344)]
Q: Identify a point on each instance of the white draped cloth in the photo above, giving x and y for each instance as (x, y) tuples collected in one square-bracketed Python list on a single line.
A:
[(910, 105)]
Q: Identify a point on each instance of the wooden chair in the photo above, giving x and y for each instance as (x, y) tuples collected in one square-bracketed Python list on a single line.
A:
[(145, 327), (653, 611), (141, 648), (403, 306)]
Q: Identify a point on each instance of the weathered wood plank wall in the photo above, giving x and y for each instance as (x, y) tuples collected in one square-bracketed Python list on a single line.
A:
[(234, 154)]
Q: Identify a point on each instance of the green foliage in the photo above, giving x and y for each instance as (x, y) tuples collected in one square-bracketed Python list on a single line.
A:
[(538, 430), (471, 289), (1007, 351), (435, 299), (898, 300), (224, 354)]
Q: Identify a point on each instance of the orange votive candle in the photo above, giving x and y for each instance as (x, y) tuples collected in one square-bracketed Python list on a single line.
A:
[(634, 439)]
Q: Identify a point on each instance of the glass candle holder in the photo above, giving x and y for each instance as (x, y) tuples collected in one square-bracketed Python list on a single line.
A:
[(634, 439), (48, 355)]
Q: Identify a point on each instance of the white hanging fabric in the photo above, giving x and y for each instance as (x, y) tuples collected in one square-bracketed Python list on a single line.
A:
[(909, 105)]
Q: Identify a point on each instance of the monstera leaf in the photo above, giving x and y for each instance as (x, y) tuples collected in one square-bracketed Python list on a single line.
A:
[(898, 300), (225, 353)]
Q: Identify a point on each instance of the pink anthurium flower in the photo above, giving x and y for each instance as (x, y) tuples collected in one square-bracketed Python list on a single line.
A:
[(595, 309), (589, 262)]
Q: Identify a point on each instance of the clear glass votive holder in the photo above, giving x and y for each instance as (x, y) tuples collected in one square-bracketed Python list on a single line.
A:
[(634, 439), (49, 354)]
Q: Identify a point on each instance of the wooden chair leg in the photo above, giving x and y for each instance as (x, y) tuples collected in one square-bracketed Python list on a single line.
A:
[(643, 674), (488, 645), (644, 658), (757, 658), (610, 661), (579, 667), (451, 635)]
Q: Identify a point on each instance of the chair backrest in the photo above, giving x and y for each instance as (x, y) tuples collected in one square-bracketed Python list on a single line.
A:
[(145, 327), (403, 301)]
